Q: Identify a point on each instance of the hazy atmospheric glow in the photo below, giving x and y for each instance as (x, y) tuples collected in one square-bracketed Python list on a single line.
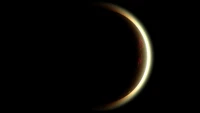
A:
[(147, 52)]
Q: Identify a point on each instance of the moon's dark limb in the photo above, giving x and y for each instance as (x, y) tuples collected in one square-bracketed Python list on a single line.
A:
[(110, 53), (91, 60)]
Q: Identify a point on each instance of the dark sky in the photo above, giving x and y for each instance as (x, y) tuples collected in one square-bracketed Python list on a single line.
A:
[(54, 58)]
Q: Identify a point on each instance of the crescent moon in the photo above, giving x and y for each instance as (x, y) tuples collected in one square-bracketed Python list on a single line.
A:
[(148, 56)]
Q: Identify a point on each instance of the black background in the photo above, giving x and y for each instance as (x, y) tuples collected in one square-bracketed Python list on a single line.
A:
[(41, 23), (148, 13), (28, 27)]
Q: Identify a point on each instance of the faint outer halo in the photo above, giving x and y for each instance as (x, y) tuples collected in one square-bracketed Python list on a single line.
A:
[(147, 53)]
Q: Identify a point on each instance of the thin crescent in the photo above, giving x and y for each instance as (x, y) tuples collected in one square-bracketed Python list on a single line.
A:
[(148, 57)]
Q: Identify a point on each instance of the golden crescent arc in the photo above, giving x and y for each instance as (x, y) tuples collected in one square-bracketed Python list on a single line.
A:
[(148, 56)]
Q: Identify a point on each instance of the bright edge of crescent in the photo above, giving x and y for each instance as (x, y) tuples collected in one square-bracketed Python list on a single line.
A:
[(148, 57)]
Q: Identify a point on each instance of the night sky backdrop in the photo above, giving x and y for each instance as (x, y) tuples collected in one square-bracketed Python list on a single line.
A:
[(81, 56)]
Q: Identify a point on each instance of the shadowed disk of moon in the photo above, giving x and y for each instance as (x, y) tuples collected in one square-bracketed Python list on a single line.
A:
[(95, 57), (144, 58)]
